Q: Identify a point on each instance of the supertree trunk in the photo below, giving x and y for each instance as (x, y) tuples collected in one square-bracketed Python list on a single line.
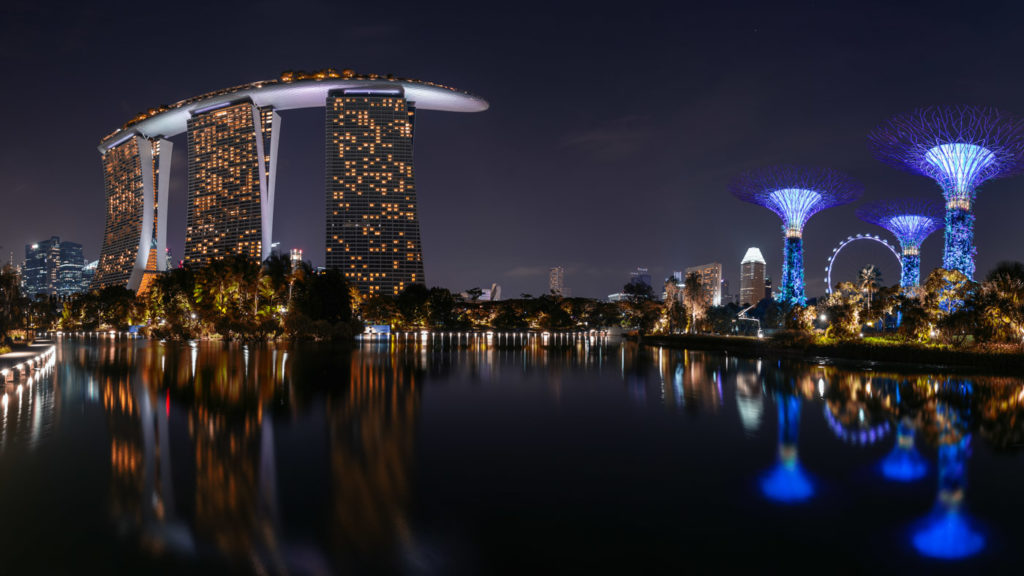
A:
[(793, 271), (959, 252)]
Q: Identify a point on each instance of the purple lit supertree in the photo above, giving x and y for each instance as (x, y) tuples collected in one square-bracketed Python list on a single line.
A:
[(795, 194), (960, 147), (910, 221)]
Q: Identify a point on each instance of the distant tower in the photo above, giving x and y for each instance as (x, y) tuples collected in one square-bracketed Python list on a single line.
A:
[(296, 258), (556, 281), (910, 222), (795, 194), (960, 148), (751, 277)]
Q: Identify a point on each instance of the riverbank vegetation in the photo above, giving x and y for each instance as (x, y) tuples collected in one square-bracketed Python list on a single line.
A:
[(236, 299)]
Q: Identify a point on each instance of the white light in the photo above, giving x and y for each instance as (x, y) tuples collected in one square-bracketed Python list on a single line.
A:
[(959, 166)]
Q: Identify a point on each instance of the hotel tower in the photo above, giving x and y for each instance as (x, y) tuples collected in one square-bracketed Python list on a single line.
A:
[(372, 225)]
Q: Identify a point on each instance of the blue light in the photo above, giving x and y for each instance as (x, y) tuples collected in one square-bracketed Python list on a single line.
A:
[(959, 168), (904, 463), (795, 206), (793, 271), (959, 250), (912, 229), (948, 535), (911, 270), (787, 482)]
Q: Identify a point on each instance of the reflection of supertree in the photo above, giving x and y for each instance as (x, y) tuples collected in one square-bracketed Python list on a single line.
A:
[(787, 482), (910, 221), (948, 532), (904, 463), (795, 194), (959, 147)]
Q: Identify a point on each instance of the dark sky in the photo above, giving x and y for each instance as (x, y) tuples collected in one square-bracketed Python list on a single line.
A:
[(613, 132)]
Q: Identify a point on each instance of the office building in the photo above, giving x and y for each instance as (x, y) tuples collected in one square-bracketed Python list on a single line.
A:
[(53, 268), (710, 279), (752, 278)]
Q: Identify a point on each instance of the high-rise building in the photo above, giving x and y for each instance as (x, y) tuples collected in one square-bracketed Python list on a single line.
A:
[(752, 269), (640, 276), (373, 230), (768, 287), (230, 182), (711, 279), (136, 176), (556, 281), (88, 273), (53, 268)]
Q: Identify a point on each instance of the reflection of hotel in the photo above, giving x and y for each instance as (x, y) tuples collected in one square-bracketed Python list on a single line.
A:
[(371, 211), (236, 425)]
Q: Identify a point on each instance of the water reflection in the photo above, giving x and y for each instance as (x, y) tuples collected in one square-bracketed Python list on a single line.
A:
[(787, 482), (949, 532), (275, 459)]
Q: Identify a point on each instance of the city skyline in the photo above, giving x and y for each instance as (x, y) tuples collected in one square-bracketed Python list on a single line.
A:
[(480, 180)]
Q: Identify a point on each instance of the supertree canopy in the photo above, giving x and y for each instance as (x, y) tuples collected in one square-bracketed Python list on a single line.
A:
[(795, 194), (959, 147), (910, 221)]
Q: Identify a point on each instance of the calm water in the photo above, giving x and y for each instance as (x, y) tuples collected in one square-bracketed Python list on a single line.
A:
[(419, 458)]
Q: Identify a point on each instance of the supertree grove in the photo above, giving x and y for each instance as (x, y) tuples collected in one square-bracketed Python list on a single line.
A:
[(795, 194), (910, 221), (960, 147)]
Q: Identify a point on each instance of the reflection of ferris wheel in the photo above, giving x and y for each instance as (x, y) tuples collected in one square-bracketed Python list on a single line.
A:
[(849, 240)]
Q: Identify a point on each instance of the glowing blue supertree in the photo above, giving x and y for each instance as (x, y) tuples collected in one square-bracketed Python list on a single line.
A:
[(910, 221), (959, 147), (795, 194)]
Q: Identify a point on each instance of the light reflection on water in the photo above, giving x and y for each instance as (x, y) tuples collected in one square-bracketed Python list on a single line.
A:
[(311, 459)]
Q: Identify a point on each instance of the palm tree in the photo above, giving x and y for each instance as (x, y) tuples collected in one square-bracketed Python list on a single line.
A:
[(870, 278), (694, 296)]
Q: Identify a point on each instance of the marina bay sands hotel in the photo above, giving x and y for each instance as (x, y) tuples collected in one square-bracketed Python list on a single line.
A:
[(372, 232)]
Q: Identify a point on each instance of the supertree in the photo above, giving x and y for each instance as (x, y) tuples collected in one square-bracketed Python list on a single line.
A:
[(959, 147), (795, 194), (910, 221)]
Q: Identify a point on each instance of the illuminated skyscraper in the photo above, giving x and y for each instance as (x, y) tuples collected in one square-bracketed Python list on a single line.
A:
[(233, 133), (373, 231), (752, 277), (230, 182), (136, 175)]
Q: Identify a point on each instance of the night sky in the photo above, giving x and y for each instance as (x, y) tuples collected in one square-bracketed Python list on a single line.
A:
[(613, 132)]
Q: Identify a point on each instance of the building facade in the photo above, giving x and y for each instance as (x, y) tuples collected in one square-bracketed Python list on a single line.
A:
[(752, 269), (710, 279), (373, 229), (372, 223), (230, 183), (136, 176), (556, 281)]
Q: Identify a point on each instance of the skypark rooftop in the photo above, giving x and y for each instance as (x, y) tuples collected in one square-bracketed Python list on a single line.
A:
[(293, 90)]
